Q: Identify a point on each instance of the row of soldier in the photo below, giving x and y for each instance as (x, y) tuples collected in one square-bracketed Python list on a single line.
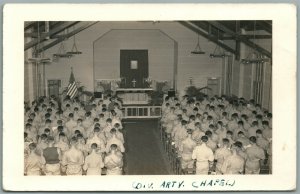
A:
[(218, 135), (68, 139)]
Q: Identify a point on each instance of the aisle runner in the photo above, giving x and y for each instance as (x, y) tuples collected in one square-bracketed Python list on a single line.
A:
[(145, 155)]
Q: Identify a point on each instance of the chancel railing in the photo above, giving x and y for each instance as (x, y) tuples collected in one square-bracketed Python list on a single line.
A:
[(141, 112)]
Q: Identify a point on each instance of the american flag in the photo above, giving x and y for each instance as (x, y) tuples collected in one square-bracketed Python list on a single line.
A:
[(72, 87)]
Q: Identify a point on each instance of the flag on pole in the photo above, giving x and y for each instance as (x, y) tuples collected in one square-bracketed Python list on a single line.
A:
[(72, 87)]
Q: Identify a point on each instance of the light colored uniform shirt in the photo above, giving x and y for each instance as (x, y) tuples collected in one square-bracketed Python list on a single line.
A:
[(93, 164), (202, 154), (97, 140), (70, 125), (267, 133), (262, 142), (254, 155), (87, 123), (114, 163), (221, 154), (252, 131), (62, 145), (233, 164), (73, 159), (186, 148), (33, 164)]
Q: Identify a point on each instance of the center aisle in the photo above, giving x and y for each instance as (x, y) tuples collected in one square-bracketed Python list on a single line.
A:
[(144, 155)]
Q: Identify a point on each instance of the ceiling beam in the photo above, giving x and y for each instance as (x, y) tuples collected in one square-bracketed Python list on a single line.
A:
[(28, 25), (207, 36), (265, 25), (60, 39), (50, 33), (246, 36), (241, 38)]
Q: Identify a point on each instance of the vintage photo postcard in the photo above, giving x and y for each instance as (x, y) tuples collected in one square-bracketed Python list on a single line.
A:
[(149, 97)]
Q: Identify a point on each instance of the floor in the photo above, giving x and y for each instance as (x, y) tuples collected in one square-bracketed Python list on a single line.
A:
[(144, 151)]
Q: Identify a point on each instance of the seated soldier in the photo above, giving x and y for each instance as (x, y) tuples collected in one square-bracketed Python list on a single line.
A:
[(267, 131), (229, 135), (210, 143), (93, 162), (198, 118), (47, 131), (252, 130), (261, 141), (197, 133), (233, 123), (90, 130), (81, 144), (61, 129), (191, 124), (203, 156), (102, 120), (79, 127), (224, 119), (31, 133), (94, 112), (67, 111), (71, 124), (255, 155), (73, 159), (105, 112), (119, 134), (214, 135), (221, 132), (234, 163), (51, 158), (81, 111), (118, 111), (240, 128), (243, 139), (42, 144), (55, 126), (221, 154), (88, 121), (113, 161), (185, 151), (114, 140), (62, 144), (46, 125), (33, 163), (115, 119), (179, 133), (96, 138), (246, 123), (108, 127)]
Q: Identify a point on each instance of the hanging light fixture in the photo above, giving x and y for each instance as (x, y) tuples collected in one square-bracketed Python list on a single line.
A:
[(198, 50), (61, 53), (218, 52), (38, 56), (74, 50), (254, 56)]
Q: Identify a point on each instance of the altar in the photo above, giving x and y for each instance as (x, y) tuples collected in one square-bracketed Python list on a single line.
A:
[(132, 96)]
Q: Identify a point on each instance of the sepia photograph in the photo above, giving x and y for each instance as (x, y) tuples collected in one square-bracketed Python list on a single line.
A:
[(137, 97), (148, 97)]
